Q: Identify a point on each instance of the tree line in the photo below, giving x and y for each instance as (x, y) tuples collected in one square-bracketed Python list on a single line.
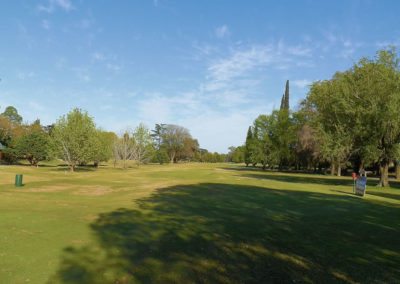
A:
[(77, 140), (350, 121)]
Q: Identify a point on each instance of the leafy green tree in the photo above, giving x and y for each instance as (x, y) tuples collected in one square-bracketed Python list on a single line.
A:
[(282, 136), (173, 141), (12, 114), (102, 150), (6, 131), (142, 144), (378, 82), (75, 136), (236, 154), (267, 153), (34, 147), (332, 120), (356, 113), (161, 155)]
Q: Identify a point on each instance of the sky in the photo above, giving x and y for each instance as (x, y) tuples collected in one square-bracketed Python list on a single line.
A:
[(211, 66)]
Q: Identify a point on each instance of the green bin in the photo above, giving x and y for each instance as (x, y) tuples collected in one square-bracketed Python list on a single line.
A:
[(18, 180)]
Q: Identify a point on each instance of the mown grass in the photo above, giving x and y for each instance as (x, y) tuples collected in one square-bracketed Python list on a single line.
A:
[(194, 223)]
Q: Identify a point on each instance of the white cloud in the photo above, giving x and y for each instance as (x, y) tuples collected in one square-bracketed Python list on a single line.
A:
[(303, 83), (113, 67), (52, 5), (82, 74), (300, 51), (25, 75), (98, 56), (222, 31), (239, 63)]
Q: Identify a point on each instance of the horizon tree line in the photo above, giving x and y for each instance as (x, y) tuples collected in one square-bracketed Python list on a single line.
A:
[(77, 140)]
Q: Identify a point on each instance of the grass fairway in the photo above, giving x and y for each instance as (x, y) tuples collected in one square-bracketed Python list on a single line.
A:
[(194, 223)]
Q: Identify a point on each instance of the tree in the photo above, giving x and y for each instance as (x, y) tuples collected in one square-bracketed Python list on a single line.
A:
[(190, 148), (33, 146), (356, 113), (75, 136), (173, 139), (6, 130), (378, 80), (102, 150), (267, 152), (235, 154), (281, 136), (123, 149), (143, 148), (12, 114), (285, 98), (248, 147), (332, 120), (160, 155)]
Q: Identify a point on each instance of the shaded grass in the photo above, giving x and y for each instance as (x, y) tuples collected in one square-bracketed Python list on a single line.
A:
[(194, 223), (224, 233)]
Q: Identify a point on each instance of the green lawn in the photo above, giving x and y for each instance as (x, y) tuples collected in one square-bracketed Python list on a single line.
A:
[(194, 223)]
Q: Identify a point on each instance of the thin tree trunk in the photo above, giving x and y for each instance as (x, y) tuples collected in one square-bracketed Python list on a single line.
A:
[(397, 170), (339, 169), (332, 168), (384, 174)]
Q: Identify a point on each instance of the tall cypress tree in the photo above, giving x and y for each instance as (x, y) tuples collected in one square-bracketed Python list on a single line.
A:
[(248, 147), (282, 102), (286, 96)]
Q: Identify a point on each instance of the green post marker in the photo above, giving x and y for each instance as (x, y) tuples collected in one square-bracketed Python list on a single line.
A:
[(18, 180)]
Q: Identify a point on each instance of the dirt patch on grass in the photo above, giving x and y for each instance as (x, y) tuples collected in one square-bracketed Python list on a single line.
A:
[(94, 190), (51, 188)]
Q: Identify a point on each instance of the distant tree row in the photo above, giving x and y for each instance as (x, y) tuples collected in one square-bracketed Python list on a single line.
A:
[(75, 139), (351, 120)]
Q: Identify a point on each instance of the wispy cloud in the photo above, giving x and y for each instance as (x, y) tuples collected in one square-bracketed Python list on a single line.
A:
[(52, 5), (82, 73), (98, 56), (25, 75), (343, 46), (222, 31), (303, 83), (240, 62), (113, 67)]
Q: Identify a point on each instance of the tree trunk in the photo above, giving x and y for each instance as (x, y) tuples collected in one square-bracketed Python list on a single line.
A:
[(339, 169), (332, 168), (397, 170), (384, 173), (71, 168)]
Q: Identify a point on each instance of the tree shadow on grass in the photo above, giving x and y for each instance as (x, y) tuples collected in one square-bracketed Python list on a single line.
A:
[(300, 178), (222, 233), (77, 169), (384, 194)]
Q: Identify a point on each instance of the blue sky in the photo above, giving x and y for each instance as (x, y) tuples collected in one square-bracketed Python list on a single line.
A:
[(211, 66)]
